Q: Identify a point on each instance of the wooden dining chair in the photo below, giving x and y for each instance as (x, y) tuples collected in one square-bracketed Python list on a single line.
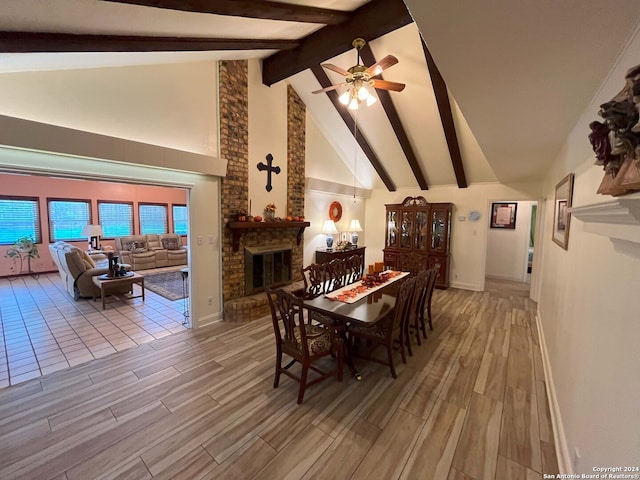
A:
[(387, 332), (315, 279), (433, 277), (337, 274), (416, 323), (305, 343), (355, 268)]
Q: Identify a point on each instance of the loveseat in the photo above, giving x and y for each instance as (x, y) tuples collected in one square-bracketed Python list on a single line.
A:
[(143, 252), (77, 270)]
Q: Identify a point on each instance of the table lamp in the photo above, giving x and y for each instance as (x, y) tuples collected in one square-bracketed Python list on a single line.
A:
[(329, 229), (93, 233), (355, 227)]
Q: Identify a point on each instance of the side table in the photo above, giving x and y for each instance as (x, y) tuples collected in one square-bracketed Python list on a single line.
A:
[(108, 285)]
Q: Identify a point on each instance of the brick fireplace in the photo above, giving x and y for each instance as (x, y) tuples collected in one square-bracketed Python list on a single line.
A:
[(234, 128)]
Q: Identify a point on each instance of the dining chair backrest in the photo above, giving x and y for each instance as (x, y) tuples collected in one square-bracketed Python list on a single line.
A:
[(355, 268), (315, 280), (337, 274), (433, 277), (287, 316), (403, 303), (416, 312)]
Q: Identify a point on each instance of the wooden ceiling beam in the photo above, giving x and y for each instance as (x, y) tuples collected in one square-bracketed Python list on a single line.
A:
[(446, 116), (249, 9), (394, 119), (29, 42), (372, 20), (323, 79)]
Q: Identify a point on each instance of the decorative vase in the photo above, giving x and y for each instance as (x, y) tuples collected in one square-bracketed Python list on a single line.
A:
[(329, 242), (354, 239)]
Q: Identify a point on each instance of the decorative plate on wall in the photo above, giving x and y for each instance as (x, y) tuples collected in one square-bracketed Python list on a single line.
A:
[(474, 215), (335, 211)]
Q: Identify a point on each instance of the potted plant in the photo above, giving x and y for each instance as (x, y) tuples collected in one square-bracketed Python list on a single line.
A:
[(25, 244)]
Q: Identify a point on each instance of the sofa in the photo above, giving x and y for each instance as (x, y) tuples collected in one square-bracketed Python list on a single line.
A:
[(77, 270), (144, 252)]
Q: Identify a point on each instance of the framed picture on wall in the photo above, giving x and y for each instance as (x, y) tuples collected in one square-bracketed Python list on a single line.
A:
[(503, 215), (561, 215)]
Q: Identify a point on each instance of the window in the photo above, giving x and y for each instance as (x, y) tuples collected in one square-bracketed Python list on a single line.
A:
[(67, 218), (19, 217), (180, 219), (116, 218), (153, 218)]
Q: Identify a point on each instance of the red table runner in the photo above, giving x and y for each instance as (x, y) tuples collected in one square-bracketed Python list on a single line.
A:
[(369, 284)]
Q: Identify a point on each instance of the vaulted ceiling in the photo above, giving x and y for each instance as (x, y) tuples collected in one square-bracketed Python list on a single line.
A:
[(492, 89)]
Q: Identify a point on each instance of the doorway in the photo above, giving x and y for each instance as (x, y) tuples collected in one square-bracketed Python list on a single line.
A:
[(510, 251)]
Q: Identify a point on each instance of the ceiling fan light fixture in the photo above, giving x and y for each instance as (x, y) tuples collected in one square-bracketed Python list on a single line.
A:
[(363, 93), (353, 104), (371, 99), (345, 97)]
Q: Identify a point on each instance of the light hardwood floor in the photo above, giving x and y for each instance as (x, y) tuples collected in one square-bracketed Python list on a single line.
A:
[(470, 404)]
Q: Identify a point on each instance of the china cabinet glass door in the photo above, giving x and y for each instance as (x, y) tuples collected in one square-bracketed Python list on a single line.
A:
[(392, 228), (439, 231), (421, 228), (406, 229)]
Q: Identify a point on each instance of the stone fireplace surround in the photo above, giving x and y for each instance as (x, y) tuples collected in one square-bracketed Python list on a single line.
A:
[(234, 130)]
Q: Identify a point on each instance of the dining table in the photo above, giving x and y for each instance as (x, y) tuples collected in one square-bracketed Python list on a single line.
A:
[(370, 306)]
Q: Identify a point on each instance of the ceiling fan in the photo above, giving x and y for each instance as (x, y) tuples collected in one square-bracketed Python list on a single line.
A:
[(359, 77)]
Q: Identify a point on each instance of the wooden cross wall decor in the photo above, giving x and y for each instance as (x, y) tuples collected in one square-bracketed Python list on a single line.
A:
[(269, 168)]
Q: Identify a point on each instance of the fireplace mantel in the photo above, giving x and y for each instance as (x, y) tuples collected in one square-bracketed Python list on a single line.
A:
[(239, 228)]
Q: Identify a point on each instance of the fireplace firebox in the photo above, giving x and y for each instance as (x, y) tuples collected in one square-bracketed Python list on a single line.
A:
[(268, 266)]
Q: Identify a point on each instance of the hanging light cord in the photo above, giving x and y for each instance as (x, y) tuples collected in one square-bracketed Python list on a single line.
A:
[(355, 151)]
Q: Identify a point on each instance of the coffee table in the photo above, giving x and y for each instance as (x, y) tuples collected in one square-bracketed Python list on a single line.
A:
[(111, 285)]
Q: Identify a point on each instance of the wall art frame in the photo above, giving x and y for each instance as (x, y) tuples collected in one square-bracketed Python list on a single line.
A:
[(503, 215), (561, 216)]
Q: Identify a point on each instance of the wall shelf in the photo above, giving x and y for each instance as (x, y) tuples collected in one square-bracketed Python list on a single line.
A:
[(239, 228), (617, 219)]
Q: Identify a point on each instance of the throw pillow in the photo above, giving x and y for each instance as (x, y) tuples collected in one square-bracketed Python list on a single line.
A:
[(170, 243), (136, 247)]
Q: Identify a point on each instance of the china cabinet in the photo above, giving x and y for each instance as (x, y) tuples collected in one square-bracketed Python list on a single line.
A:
[(417, 237)]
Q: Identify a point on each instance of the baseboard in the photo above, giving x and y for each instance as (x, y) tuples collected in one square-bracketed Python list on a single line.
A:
[(505, 277), (562, 450), (208, 320), (466, 286)]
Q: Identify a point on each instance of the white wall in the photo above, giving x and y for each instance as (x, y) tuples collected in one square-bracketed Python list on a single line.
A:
[(323, 162), (507, 249), (168, 105), (468, 239), (589, 311), (267, 134)]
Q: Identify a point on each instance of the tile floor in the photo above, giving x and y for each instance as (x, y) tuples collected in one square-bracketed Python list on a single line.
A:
[(42, 329)]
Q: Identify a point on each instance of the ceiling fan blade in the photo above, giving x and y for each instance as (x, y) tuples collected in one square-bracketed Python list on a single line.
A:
[(332, 87), (386, 85), (335, 68), (378, 67)]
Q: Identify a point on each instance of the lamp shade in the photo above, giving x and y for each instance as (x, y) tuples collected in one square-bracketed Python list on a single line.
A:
[(92, 231), (354, 226), (329, 227)]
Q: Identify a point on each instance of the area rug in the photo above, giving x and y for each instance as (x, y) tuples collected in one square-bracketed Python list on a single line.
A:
[(167, 284)]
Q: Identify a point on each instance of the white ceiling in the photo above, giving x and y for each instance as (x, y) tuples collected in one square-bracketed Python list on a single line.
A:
[(520, 72)]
